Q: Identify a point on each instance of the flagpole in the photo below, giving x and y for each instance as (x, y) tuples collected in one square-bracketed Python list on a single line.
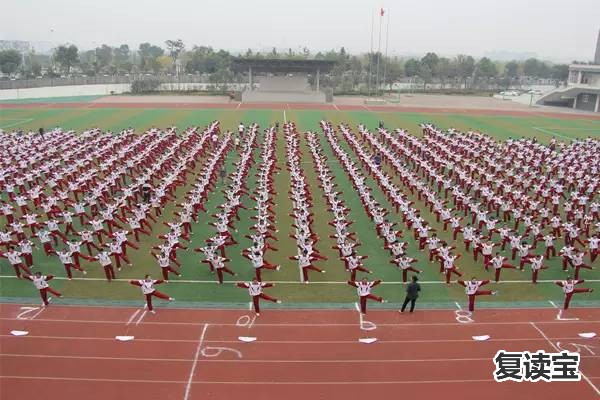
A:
[(371, 52), (387, 37), (378, 55)]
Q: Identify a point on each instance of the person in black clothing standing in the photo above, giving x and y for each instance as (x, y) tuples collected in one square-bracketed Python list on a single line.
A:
[(412, 293)]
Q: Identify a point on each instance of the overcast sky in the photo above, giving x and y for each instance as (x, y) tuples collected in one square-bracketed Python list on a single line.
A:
[(552, 29)]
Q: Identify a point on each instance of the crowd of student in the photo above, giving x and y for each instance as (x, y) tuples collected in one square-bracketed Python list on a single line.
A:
[(510, 196)]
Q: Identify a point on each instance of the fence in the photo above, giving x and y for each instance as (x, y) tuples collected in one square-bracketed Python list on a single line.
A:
[(100, 80)]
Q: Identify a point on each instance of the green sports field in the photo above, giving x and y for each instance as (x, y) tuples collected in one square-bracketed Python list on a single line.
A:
[(197, 287)]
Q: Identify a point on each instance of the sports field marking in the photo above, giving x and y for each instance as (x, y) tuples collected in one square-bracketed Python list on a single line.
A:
[(569, 128), (188, 387), (284, 118), (298, 324), (20, 121), (537, 128), (553, 304), (141, 317), (29, 312), (336, 107), (239, 105), (136, 312), (295, 282), (218, 350), (558, 350), (256, 361), (312, 383)]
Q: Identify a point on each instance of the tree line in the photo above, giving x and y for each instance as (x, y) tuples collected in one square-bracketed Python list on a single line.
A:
[(352, 71)]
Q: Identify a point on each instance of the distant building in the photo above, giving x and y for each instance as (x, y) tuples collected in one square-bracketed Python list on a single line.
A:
[(583, 87)]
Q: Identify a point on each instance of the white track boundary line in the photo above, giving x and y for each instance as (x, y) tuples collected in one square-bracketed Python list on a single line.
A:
[(294, 324), (254, 361), (336, 107), (551, 133), (20, 121), (132, 317), (312, 383), (558, 351), (188, 387), (141, 317), (296, 282), (567, 128)]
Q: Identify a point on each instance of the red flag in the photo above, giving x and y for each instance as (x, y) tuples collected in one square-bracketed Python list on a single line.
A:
[(381, 12)]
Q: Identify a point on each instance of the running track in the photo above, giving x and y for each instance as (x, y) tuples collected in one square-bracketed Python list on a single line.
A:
[(306, 106), (71, 353)]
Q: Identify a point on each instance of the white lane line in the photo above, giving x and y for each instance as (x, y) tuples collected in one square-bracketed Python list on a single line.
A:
[(553, 304), (257, 361), (284, 117), (558, 351), (188, 387), (19, 122), (453, 323), (141, 318), (551, 133), (336, 107), (132, 317), (458, 305), (318, 383)]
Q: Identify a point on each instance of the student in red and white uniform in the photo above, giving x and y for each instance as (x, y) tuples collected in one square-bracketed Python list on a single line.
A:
[(165, 265), (26, 247), (305, 264), (363, 288), (44, 237), (14, 258), (66, 257), (450, 268), (577, 262), (498, 262), (104, 259), (148, 290), (255, 289), (536, 266), (472, 290), (569, 289), (41, 283), (404, 263), (592, 243)]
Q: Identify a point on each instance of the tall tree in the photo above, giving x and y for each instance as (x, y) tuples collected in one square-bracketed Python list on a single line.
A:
[(465, 66), (560, 72), (148, 55), (174, 47), (485, 68), (9, 61), (104, 57), (67, 57), (411, 67), (511, 69), (123, 58)]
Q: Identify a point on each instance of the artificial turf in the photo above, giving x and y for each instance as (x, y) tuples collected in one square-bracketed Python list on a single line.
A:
[(333, 293)]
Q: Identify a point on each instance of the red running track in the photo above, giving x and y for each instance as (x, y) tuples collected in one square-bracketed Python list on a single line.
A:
[(71, 353)]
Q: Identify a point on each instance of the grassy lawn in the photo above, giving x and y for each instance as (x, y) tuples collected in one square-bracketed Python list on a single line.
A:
[(198, 286)]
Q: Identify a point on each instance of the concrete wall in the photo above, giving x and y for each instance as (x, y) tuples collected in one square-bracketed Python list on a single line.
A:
[(106, 89), (64, 91)]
